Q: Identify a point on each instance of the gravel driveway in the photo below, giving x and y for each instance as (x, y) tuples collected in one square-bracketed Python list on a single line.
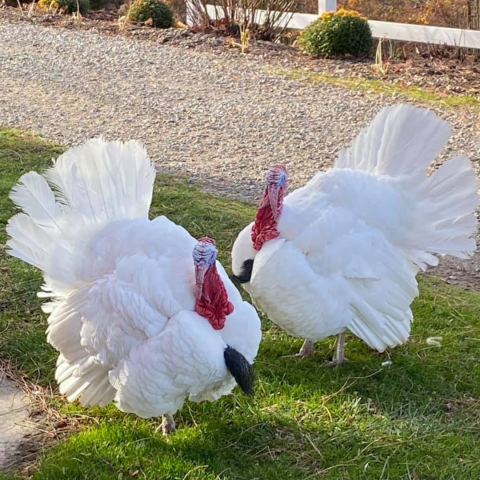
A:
[(217, 119)]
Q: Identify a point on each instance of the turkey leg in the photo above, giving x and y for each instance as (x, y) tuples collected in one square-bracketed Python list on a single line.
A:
[(307, 350), (168, 424), (339, 356)]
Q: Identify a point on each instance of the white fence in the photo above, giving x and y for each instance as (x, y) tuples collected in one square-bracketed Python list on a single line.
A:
[(454, 37)]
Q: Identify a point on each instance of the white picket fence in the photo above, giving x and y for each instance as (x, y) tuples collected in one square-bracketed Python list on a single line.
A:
[(454, 37)]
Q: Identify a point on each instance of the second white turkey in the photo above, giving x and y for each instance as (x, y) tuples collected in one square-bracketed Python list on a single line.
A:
[(342, 253)]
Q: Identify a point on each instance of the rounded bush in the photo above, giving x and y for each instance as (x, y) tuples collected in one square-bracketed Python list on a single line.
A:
[(66, 6), (160, 13), (343, 32), (97, 4)]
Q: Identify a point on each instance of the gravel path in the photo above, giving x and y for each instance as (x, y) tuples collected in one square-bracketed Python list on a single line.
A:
[(215, 118)]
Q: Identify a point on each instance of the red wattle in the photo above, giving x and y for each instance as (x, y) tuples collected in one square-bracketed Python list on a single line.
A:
[(265, 226), (213, 303)]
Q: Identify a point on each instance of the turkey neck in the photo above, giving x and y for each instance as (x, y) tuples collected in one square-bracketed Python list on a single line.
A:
[(213, 303), (265, 226)]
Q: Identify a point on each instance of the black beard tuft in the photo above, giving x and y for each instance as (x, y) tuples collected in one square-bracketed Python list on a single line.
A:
[(240, 369), (246, 272)]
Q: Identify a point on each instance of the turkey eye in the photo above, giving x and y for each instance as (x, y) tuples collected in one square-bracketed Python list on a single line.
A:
[(246, 273)]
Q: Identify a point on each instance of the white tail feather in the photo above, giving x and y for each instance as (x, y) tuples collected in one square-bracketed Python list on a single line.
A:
[(105, 180), (34, 196), (29, 241), (88, 186), (401, 143), (400, 140), (91, 386)]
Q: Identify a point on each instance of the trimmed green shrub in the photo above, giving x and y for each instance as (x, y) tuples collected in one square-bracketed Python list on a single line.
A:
[(343, 32), (160, 13), (66, 6), (97, 4)]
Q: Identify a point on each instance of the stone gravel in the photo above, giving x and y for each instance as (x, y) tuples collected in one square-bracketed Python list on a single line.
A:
[(218, 119)]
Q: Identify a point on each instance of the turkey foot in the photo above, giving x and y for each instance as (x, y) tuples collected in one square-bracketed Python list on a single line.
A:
[(168, 424), (339, 356), (307, 350)]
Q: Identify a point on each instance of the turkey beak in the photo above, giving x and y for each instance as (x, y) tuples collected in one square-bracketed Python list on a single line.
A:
[(200, 272), (273, 191)]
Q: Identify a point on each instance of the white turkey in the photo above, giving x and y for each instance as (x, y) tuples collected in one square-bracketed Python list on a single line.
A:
[(342, 253), (141, 313)]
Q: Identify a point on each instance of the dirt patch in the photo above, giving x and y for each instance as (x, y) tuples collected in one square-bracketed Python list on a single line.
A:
[(15, 423), (28, 424), (465, 273)]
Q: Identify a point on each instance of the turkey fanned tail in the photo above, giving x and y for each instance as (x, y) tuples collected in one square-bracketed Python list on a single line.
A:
[(88, 187), (398, 147)]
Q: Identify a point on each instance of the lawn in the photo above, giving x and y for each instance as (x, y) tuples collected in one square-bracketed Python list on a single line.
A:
[(412, 92), (416, 419)]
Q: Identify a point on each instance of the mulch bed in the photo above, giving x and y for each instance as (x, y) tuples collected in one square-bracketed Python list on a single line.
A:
[(439, 71)]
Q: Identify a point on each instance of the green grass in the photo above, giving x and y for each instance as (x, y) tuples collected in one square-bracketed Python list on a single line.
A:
[(418, 418), (412, 92)]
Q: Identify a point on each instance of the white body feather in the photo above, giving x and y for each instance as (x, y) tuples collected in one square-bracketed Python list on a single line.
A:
[(122, 287), (353, 239)]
